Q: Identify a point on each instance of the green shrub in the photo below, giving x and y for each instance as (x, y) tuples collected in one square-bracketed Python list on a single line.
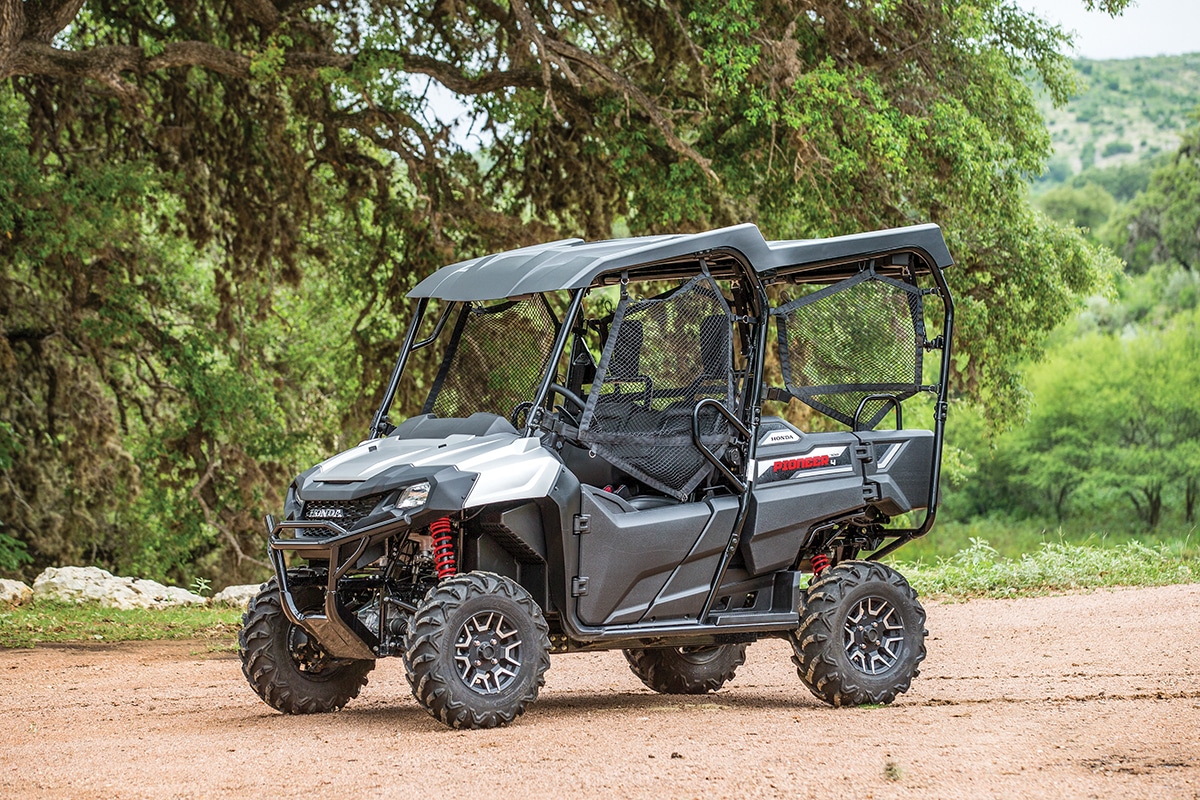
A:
[(980, 571)]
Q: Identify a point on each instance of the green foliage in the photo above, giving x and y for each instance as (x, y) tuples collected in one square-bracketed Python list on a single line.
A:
[(1122, 181), (1087, 156), (45, 621), (1162, 224), (205, 250), (979, 571), (1088, 206), (1110, 440), (147, 411), (13, 554), (1116, 148), (10, 447)]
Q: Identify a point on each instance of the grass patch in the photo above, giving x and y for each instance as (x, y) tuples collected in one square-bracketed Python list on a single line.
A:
[(45, 622), (982, 571), (1014, 538)]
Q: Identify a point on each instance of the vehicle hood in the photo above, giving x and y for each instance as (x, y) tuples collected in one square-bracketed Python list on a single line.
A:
[(483, 469)]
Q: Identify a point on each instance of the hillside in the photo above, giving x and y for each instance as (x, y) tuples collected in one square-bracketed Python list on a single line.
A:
[(1126, 111)]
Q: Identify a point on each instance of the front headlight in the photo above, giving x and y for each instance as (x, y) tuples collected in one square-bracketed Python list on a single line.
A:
[(414, 496)]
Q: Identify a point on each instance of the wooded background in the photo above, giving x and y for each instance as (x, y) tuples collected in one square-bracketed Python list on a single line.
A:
[(210, 212)]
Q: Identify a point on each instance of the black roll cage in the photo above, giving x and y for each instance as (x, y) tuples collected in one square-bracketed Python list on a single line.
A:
[(732, 264)]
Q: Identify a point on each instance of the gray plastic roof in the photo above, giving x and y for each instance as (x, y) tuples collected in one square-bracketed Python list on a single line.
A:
[(574, 263)]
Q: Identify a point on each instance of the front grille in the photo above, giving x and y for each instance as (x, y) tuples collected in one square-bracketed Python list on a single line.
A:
[(343, 512)]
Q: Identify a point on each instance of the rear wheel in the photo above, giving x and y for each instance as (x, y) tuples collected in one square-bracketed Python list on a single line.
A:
[(861, 636), (478, 650), (285, 666), (686, 670)]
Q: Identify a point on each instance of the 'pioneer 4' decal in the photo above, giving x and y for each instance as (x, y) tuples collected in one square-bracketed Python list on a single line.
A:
[(820, 461)]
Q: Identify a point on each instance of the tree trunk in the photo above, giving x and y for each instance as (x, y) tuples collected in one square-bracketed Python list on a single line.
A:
[(1189, 498), (1060, 501), (1153, 505)]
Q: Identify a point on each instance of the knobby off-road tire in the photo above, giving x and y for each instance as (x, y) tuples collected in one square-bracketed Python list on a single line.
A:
[(861, 635), (686, 670), (478, 651), (285, 666)]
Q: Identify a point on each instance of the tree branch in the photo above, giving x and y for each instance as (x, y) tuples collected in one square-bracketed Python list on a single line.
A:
[(210, 518), (106, 65), (643, 100), (263, 12), (45, 18), (12, 27)]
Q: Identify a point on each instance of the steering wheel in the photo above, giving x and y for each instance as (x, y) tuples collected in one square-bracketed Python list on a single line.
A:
[(569, 396), (573, 399)]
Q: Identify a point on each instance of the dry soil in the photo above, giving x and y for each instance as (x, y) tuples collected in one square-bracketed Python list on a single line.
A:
[(1094, 695)]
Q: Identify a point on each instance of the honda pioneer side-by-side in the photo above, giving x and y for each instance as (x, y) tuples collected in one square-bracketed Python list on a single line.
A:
[(594, 467)]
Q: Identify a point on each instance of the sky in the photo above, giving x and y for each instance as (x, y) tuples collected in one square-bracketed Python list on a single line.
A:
[(1147, 28)]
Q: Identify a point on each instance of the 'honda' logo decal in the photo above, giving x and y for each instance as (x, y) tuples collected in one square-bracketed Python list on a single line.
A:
[(326, 513)]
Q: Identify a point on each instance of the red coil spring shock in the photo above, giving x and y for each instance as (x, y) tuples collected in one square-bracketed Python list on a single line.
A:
[(820, 563), (443, 548)]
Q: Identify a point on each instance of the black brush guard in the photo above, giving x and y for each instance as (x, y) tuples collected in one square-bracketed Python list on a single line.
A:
[(332, 628)]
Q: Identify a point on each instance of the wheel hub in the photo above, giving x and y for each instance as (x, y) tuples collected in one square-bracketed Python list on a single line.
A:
[(874, 636), (699, 655), (487, 653), (306, 653)]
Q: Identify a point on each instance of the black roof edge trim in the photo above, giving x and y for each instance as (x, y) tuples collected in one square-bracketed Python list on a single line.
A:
[(573, 264)]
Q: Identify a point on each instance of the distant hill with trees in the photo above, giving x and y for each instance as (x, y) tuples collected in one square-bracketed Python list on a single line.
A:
[(1124, 113), (1109, 447)]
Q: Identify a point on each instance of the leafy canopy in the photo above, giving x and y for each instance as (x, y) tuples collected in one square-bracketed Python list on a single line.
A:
[(212, 209)]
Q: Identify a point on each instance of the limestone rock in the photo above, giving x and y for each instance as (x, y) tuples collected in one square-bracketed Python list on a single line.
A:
[(237, 596), (14, 593), (92, 584)]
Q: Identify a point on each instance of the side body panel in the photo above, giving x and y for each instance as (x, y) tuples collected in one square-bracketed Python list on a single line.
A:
[(635, 561), (801, 480), (900, 467)]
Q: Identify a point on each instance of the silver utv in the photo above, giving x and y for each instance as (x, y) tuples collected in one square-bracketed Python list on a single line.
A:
[(592, 458)]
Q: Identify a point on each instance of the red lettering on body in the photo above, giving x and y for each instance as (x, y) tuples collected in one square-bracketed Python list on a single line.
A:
[(792, 464)]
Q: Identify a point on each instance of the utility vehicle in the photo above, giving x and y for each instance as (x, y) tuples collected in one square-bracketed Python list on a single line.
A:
[(599, 463)]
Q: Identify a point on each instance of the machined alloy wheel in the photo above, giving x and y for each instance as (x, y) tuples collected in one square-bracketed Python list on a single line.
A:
[(487, 651), (478, 650), (861, 635), (874, 636)]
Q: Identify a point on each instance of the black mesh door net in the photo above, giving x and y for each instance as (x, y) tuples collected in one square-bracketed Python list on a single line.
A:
[(663, 356), (862, 336)]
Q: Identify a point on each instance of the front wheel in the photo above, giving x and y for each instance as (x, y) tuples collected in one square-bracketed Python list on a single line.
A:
[(861, 636), (478, 650), (686, 670), (285, 666)]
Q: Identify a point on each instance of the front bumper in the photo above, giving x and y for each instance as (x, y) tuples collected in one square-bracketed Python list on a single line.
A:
[(338, 631)]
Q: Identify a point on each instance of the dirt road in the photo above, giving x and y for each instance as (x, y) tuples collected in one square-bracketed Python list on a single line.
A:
[(1078, 696)]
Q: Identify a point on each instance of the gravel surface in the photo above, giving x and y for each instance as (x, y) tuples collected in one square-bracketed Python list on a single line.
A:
[(1094, 695)]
